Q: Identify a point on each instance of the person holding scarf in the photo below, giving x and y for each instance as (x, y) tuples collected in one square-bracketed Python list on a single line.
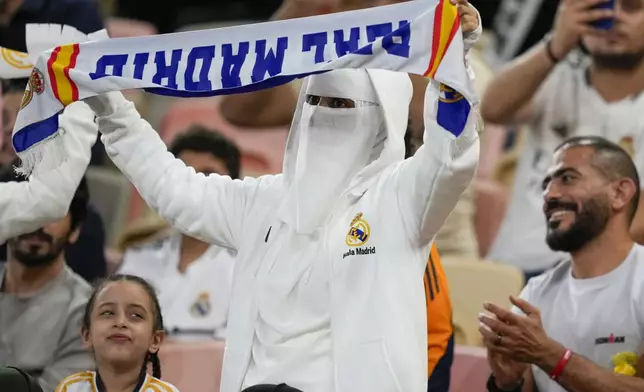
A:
[(328, 284)]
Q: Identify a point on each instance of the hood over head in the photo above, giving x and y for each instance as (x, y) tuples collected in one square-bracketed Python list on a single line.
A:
[(339, 149)]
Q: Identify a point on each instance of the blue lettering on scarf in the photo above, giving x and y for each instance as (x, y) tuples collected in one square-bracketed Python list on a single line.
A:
[(270, 62), (165, 71), (403, 34), (343, 46), (206, 54), (317, 41), (115, 61), (140, 61), (389, 36), (232, 64)]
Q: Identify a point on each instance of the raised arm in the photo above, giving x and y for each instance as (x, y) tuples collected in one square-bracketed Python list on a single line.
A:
[(431, 182), (210, 208), (26, 206), (509, 97)]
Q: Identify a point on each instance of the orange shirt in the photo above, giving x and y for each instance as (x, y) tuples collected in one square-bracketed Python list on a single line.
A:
[(439, 310)]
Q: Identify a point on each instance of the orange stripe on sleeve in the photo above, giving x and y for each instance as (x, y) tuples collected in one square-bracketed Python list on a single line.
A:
[(439, 310)]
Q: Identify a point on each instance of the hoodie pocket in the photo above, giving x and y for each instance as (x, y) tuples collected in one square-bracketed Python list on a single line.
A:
[(366, 367)]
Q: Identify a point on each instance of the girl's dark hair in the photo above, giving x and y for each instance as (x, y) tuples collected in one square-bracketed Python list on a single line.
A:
[(152, 358)]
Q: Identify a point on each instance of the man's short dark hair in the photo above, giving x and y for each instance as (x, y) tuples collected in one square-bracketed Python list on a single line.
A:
[(611, 160), (79, 204), (201, 139), (14, 85)]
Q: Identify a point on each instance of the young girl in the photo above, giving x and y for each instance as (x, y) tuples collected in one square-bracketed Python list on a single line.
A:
[(123, 327)]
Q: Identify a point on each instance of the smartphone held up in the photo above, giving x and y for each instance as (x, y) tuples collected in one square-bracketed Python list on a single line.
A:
[(605, 23)]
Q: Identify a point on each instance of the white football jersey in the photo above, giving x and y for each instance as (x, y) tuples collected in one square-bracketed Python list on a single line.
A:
[(194, 303), (597, 317), (90, 382)]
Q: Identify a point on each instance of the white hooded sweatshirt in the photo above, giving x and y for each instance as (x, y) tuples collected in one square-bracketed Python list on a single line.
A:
[(330, 301), (26, 206)]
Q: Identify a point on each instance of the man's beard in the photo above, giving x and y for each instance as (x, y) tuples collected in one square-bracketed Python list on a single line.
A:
[(589, 223), (619, 62), (30, 256)]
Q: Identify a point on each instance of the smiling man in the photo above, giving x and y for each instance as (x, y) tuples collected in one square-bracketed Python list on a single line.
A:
[(559, 93), (584, 320)]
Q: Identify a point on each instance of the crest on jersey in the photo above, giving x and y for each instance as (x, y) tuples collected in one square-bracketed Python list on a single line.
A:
[(359, 231), (202, 306)]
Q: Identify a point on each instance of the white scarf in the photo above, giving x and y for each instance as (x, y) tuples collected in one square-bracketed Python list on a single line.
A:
[(420, 37)]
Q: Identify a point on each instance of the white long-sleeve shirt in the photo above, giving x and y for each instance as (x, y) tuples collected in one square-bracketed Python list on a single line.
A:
[(26, 206)]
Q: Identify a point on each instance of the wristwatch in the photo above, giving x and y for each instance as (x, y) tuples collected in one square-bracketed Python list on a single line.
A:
[(491, 385)]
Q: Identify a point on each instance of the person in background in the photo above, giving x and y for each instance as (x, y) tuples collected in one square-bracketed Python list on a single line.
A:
[(42, 300), (561, 93), (580, 324), (86, 256), (84, 15), (517, 25), (123, 327), (192, 277), (275, 107), (27, 205)]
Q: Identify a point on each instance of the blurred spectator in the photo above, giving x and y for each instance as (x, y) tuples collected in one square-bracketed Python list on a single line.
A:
[(84, 15), (517, 25), (561, 93), (592, 303), (42, 300), (193, 278), (275, 107), (86, 256)]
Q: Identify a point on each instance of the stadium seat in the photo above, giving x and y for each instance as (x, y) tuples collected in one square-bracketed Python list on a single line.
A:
[(470, 284), (470, 369), (192, 367), (491, 201)]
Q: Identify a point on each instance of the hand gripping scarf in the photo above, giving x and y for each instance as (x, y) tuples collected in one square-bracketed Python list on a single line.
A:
[(420, 37)]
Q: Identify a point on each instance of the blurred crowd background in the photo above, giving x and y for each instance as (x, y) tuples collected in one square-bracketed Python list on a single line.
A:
[(491, 245)]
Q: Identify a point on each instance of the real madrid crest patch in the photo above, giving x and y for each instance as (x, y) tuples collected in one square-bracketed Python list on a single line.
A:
[(358, 236), (36, 85), (202, 306), (359, 231)]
